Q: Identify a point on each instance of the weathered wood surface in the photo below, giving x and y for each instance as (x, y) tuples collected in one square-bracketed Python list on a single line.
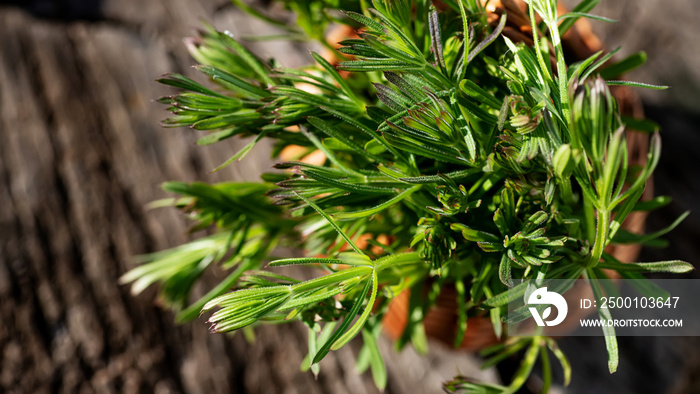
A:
[(81, 153)]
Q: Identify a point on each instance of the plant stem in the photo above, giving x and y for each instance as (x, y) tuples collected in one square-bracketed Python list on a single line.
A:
[(588, 217), (526, 365), (546, 370), (601, 237), (195, 309), (566, 192), (536, 40), (561, 70)]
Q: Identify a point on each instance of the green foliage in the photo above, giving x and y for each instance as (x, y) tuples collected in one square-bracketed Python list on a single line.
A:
[(453, 157)]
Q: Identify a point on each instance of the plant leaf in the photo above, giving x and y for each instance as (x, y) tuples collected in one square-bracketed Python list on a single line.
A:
[(637, 85), (376, 361), (582, 7), (577, 15), (303, 261), (331, 222), (608, 330), (624, 66), (326, 347), (674, 266), (374, 210)]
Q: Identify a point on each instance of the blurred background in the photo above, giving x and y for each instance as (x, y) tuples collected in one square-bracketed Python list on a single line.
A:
[(82, 153)]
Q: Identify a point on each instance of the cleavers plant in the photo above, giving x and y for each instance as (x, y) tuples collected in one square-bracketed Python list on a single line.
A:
[(451, 156)]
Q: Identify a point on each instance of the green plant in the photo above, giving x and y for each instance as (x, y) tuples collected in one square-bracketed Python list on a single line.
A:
[(452, 154)]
